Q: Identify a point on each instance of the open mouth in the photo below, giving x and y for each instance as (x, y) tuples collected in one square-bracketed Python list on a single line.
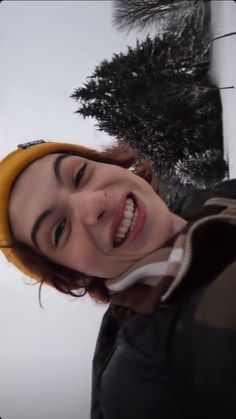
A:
[(127, 222)]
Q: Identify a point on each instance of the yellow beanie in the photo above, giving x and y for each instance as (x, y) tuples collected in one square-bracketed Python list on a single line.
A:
[(10, 168)]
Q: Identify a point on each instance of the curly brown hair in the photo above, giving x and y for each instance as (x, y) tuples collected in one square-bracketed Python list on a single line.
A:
[(69, 281)]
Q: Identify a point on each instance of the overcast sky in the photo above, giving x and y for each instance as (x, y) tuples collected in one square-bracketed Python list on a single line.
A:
[(47, 49)]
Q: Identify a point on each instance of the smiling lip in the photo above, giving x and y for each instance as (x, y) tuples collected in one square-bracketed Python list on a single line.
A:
[(142, 214), (118, 216)]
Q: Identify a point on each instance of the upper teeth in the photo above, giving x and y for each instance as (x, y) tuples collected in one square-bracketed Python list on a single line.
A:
[(128, 221)]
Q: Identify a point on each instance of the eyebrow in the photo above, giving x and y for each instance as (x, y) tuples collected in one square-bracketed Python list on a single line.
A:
[(45, 214), (57, 166), (37, 225)]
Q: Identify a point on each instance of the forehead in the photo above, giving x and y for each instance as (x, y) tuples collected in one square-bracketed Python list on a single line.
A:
[(38, 167), (30, 191), (39, 164)]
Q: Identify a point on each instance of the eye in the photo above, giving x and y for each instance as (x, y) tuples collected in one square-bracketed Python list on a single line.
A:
[(58, 232), (79, 175)]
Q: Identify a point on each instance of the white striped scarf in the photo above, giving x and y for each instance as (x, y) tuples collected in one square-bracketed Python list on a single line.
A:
[(162, 268), (157, 267)]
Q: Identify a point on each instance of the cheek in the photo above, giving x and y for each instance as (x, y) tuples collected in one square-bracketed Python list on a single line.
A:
[(83, 257), (159, 221), (90, 260), (145, 188), (163, 227)]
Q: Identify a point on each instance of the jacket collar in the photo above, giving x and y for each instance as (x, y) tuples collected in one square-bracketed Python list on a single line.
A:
[(147, 281), (152, 279)]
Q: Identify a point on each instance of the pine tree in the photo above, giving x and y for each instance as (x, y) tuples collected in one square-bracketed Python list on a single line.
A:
[(166, 15), (201, 170), (187, 21), (153, 100)]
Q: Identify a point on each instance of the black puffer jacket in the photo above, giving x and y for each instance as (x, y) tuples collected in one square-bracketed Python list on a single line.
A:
[(180, 360)]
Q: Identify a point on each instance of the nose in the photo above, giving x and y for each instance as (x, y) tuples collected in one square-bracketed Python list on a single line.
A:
[(89, 206)]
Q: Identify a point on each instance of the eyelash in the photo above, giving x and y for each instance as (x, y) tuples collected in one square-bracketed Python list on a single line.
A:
[(79, 175), (59, 231), (60, 228)]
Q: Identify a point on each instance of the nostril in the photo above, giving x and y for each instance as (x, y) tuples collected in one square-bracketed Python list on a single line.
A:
[(100, 216)]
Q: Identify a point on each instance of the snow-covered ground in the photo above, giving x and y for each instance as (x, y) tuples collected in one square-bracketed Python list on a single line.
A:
[(223, 70)]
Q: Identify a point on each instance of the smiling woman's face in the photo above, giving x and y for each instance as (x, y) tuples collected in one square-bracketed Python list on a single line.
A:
[(93, 217)]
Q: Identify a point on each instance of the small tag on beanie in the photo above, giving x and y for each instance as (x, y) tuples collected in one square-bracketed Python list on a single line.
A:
[(31, 143)]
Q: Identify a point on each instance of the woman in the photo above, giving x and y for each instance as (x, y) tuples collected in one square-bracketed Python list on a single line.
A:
[(80, 221)]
